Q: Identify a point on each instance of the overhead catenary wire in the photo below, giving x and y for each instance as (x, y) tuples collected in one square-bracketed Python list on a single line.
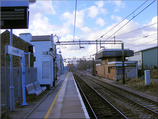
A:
[(130, 20), (144, 43), (75, 20), (133, 31), (74, 25), (127, 41), (144, 37), (124, 19), (137, 29)]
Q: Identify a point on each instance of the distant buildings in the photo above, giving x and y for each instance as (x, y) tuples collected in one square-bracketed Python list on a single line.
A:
[(147, 58), (71, 67), (111, 66)]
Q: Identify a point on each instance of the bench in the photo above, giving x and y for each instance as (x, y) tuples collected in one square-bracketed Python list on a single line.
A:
[(31, 90), (37, 86)]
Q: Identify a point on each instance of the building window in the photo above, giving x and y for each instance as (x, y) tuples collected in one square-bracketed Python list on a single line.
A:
[(109, 69), (104, 70), (45, 53), (138, 53), (45, 69)]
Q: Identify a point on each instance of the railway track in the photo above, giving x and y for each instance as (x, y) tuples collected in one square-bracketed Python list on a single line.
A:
[(147, 104), (98, 106)]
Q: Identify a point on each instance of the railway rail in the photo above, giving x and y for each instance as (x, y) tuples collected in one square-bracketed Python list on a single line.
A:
[(99, 107), (147, 104)]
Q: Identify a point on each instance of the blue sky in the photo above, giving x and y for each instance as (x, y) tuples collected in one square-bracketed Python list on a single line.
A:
[(93, 19)]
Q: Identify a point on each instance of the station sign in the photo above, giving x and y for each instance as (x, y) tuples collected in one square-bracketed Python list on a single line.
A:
[(14, 14), (14, 51)]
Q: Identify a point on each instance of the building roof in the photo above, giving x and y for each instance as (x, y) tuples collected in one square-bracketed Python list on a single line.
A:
[(25, 33), (8, 33), (109, 53), (41, 38), (147, 49), (150, 48)]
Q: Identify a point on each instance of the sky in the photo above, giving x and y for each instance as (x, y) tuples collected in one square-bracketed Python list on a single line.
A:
[(93, 20)]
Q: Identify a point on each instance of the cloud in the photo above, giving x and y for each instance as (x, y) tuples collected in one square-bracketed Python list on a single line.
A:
[(69, 18), (86, 30), (117, 18), (119, 5), (93, 11), (41, 25), (100, 21), (130, 39), (100, 3), (154, 20), (42, 7), (104, 11), (38, 23)]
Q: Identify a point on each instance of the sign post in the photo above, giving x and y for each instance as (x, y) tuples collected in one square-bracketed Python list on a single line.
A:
[(12, 105), (23, 81), (6, 83), (17, 52), (123, 67)]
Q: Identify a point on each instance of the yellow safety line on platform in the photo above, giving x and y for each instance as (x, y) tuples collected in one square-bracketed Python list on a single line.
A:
[(50, 108)]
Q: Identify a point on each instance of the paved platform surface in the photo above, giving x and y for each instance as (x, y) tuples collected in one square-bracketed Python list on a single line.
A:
[(68, 104), (63, 101)]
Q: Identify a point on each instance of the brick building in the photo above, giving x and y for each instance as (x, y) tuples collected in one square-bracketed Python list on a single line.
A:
[(111, 66), (17, 43)]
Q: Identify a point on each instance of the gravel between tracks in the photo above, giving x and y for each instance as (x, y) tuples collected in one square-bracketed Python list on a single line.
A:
[(130, 110), (125, 86)]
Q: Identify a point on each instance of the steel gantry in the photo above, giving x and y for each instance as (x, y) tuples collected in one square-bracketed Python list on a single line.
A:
[(89, 42), (92, 42)]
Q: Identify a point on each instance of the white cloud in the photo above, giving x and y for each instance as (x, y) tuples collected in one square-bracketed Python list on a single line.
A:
[(117, 18), (86, 30), (80, 18), (40, 25), (93, 11), (70, 18), (130, 39), (104, 11), (100, 3), (154, 20), (119, 4), (100, 21), (42, 7)]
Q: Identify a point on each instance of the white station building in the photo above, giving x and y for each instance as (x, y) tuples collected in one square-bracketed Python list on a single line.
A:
[(45, 57)]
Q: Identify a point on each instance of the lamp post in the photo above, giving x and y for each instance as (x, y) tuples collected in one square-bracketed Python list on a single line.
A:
[(59, 59)]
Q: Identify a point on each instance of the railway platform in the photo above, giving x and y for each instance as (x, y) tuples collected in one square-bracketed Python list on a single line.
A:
[(64, 101)]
